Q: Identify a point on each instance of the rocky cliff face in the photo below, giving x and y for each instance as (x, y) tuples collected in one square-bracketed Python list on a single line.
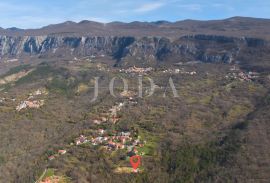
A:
[(205, 48)]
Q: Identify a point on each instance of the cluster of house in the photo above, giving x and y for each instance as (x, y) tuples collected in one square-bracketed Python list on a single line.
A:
[(132, 101), (30, 103), (38, 92), (81, 140), (130, 96), (248, 76), (111, 115), (112, 142), (242, 76), (234, 68), (60, 152), (179, 71), (137, 70)]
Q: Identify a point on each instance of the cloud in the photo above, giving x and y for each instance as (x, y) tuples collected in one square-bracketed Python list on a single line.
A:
[(149, 7), (191, 7)]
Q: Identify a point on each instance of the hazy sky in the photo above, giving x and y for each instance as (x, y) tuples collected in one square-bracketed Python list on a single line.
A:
[(38, 13)]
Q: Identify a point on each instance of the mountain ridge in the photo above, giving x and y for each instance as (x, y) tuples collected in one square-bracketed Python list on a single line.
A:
[(235, 40), (234, 26)]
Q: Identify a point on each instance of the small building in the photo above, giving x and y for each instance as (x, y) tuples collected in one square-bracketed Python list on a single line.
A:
[(97, 121), (101, 131), (81, 140), (62, 152), (103, 119), (51, 158), (125, 134)]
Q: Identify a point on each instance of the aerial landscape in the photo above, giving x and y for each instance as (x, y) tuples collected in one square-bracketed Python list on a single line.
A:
[(104, 91)]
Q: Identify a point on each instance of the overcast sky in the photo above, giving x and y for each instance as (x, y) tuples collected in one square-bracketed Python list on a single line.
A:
[(38, 13)]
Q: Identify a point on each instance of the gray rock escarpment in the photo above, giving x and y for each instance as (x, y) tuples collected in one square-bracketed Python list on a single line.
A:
[(204, 48)]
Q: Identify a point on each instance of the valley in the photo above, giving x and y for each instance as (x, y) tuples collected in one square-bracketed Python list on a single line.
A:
[(190, 136), (191, 98)]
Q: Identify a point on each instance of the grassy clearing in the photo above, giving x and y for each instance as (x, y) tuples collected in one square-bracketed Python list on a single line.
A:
[(17, 69), (41, 72), (206, 100), (82, 88), (191, 99), (237, 111), (150, 145), (50, 172)]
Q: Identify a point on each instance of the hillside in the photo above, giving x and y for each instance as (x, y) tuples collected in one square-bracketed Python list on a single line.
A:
[(196, 108), (235, 40), (216, 129)]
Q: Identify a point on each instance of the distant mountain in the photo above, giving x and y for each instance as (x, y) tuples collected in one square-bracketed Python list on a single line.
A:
[(14, 29), (235, 40), (234, 26)]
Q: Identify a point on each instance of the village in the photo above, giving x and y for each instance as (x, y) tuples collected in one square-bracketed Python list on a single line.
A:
[(111, 115), (145, 71), (179, 71), (130, 141), (113, 141), (137, 70), (30, 102), (236, 73), (110, 140)]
